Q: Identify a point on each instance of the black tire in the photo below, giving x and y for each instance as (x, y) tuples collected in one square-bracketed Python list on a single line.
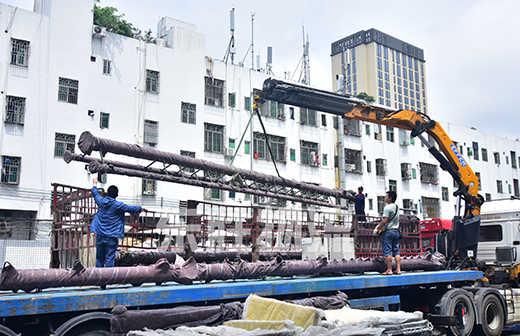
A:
[(4, 331), (90, 330), (469, 314), (492, 317)]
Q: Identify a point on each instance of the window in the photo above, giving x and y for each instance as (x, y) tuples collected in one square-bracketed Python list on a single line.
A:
[(377, 132), (431, 207), (63, 142), (68, 90), (231, 143), (381, 167), (210, 193), (213, 138), (323, 120), (324, 159), (475, 150), (428, 173), (369, 166), (19, 52), (497, 157), (484, 154), (293, 154), (370, 204), (353, 161), (516, 188), (367, 129), (309, 153), (408, 206), (488, 197), (392, 185), (102, 178), (389, 133), (247, 147), (152, 81), (149, 187), (404, 137), (276, 143), (352, 127), (272, 109), (445, 194), (406, 171), (11, 169), (214, 92), (151, 133), (291, 112), (232, 99), (247, 103), (490, 233), (513, 160), (307, 117), (14, 110), (104, 119), (479, 183), (380, 204), (107, 67), (500, 188), (189, 113)]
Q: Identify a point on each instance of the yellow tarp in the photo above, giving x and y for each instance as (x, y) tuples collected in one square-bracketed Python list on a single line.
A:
[(264, 309)]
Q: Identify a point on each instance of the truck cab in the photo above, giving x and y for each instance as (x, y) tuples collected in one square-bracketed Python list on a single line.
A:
[(499, 238)]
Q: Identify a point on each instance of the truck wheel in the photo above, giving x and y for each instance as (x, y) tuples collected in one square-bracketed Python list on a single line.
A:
[(460, 303), (492, 317), (4, 331)]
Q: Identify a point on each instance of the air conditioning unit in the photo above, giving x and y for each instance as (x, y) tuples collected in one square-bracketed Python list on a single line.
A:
[(99, 31), (229, 152), (350, 167)]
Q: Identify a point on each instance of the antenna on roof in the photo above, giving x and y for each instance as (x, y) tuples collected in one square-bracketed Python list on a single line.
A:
[(269, 64), (305, 71), (231, 47), (252, 45)]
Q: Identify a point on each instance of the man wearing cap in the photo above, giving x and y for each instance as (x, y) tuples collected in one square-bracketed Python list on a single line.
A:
[(109, 224)]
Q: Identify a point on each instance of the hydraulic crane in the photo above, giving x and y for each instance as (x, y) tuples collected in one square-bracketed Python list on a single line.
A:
[(461, 242)]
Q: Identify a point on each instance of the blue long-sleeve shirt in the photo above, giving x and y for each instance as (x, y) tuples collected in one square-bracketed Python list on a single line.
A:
[(110, 218)]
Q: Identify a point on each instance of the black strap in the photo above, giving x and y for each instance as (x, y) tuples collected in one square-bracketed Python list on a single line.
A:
[(395, 213)]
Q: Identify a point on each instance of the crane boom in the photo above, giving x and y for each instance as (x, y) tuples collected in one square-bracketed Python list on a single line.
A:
[(418, 123)]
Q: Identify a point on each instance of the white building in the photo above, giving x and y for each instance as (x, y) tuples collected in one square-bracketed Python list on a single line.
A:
[(61, 76)]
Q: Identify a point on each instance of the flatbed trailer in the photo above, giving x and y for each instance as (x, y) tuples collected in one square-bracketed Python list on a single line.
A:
[(78, 310)]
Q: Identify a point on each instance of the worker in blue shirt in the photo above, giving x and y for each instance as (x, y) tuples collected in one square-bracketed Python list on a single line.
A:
[(359, 205), (109, 224)]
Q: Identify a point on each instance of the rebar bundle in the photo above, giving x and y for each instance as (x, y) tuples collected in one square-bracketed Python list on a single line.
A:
[(217, 176), (162, 271)]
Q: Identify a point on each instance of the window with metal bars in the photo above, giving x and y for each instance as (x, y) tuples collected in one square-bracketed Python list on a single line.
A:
[(149, 187), (213, 138), (11, 169), (19, 52), (68, 90), (63, 142), (14, 110), (189, 113), (406, 171), (429, 173), (107, 67), (277, 143), (152, 81), (431, 207), (151, 133), (353, 161), (309, 153), (214, 92), (351, 127), (380, 204)]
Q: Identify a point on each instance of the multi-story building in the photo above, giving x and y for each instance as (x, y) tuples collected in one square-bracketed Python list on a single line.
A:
[(390, 70), (62, 76)]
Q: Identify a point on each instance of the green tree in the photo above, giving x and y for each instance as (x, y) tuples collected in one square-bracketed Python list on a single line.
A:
[(109, 18), (365, 97)]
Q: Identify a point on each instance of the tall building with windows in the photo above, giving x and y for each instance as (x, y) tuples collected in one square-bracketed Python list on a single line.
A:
[(389, 69)]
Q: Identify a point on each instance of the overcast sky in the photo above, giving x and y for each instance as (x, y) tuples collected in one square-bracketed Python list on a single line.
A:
[(471, 47)]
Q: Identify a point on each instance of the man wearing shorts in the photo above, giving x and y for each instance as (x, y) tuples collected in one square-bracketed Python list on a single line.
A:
[(390, 235)]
